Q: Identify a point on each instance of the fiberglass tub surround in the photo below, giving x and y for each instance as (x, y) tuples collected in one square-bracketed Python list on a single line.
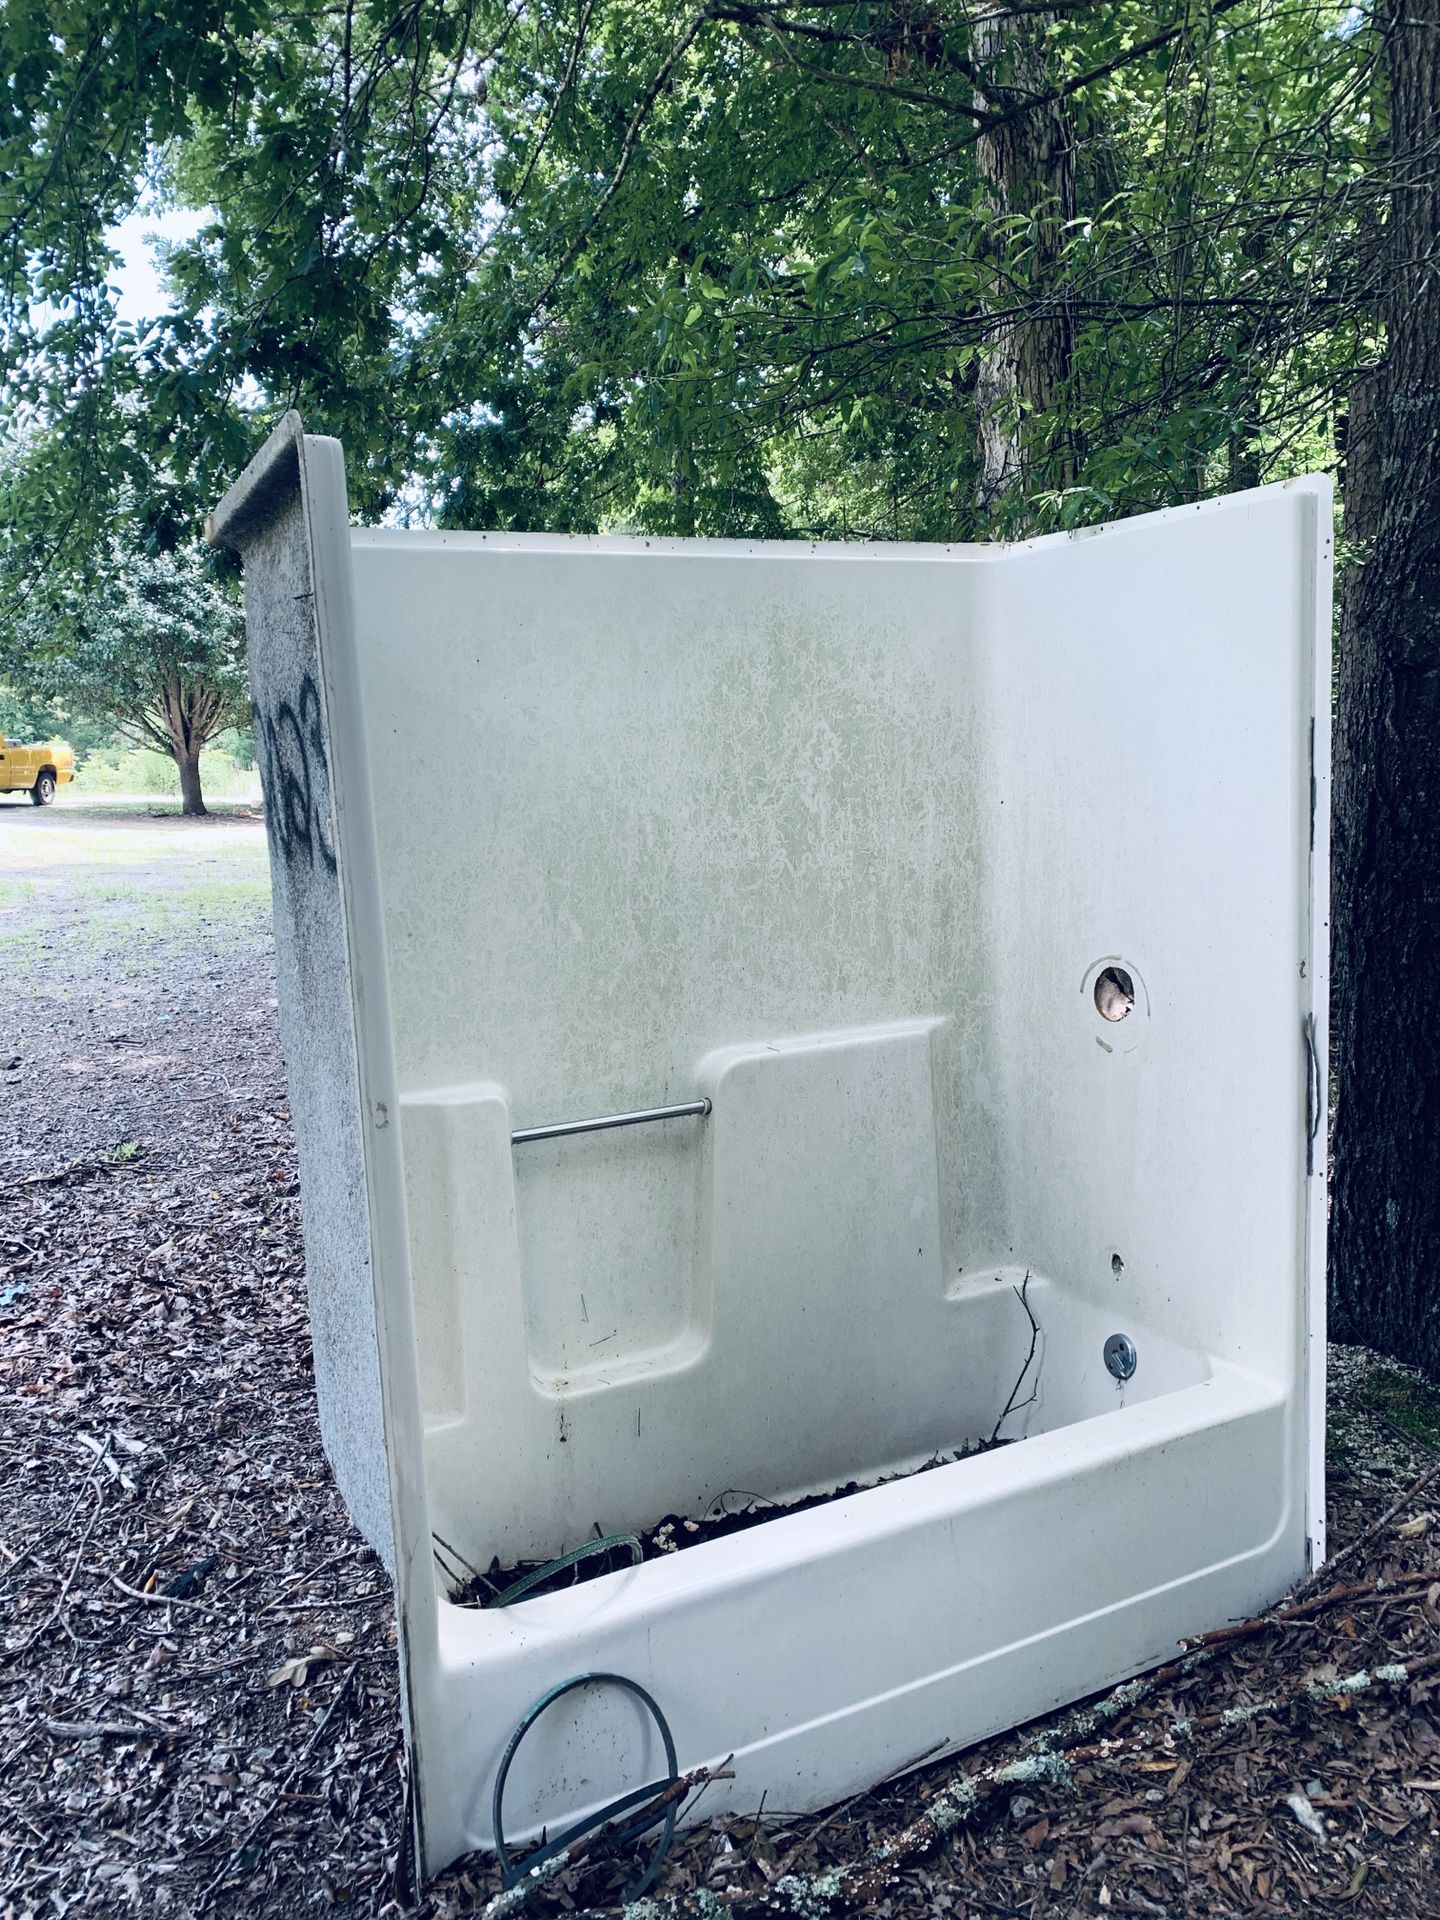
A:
[(847, 853)]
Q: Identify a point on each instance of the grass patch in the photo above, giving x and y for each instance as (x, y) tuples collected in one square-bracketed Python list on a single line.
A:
[(113, 916), (112, 894), (1339, 1439), (25, 947), (143, 853), (1409, 1404)]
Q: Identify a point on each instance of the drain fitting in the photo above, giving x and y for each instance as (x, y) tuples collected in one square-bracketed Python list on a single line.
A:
[(1121, 1358)]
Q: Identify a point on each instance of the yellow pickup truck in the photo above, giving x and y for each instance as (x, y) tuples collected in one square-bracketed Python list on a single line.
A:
[(35, 770)]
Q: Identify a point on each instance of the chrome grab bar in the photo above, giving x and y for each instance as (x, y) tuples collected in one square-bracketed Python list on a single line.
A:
[(559, 1129)]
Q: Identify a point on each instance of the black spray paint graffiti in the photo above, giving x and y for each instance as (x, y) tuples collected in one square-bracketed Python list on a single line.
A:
[(295, 778)]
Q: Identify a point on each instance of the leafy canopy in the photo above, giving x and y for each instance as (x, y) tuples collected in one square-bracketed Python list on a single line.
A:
[(720, 268), (153, 641)]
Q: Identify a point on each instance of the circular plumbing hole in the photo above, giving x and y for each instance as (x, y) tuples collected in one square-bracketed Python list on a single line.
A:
[(1115, 1004), (1114, 993)]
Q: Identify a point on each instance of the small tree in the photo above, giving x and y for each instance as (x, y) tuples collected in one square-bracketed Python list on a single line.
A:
[(153, 641)]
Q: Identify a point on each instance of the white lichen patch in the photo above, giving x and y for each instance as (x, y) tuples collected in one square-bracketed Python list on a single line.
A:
[(1082, 1722), (1127, 1695), (1035, 1766), (812, 1895), (1334, 1689), (957, 1803), (1237, 1716)]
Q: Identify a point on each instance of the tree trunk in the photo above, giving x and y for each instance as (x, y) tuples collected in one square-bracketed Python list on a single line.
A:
[(190, 712), (192, 800), (1385, 1214), (1028, 166)]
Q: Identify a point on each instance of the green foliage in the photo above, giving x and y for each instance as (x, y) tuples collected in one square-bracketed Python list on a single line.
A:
[(766, 313), (153, 642), (717, 269), (30, 720), (25, 718), (142, 770)]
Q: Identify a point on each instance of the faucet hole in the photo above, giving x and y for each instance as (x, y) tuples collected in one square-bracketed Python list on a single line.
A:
[(1114, 994)]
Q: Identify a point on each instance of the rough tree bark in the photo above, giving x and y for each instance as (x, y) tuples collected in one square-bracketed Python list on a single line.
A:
[(1385, 1215), (191, 715), (1028, 165), (192, 800)]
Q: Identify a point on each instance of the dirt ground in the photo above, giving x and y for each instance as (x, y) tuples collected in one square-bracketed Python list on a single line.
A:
[(198, 1708)]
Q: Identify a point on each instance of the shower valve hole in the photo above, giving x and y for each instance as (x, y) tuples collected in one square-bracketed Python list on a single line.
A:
[(1114, 994)]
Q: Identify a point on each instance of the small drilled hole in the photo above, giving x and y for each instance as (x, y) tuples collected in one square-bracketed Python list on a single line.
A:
[(1117, 1265), (1114, 994)]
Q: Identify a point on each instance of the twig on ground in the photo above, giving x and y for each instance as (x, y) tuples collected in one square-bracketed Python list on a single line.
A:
[(20, 1558), (314, 1573), (512, 1899), (64, 1594), (111, 1730), (76, 1171), (161, 1599), (813, 1833), (1307, 1609), (1417, 1486), (1416, 1441), (863, 1883)]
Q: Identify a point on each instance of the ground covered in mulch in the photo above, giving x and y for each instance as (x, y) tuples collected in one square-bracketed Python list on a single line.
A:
[(197, 1686)]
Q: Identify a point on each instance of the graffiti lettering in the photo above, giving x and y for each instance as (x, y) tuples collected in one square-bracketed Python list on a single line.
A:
[(310, 716), (295, 778)]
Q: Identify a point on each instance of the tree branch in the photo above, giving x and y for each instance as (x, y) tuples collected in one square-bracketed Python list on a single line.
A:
[(627, 154)]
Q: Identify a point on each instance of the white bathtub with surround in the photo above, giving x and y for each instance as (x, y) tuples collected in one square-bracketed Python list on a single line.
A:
[(970, 904)]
